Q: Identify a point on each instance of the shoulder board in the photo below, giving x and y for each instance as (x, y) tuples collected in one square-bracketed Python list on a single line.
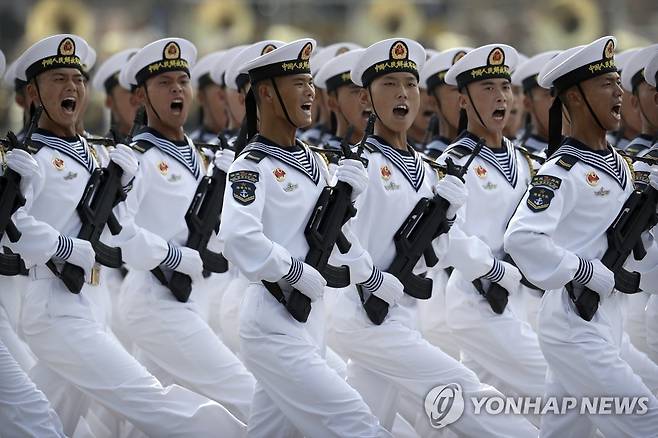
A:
[(567, 162), (370, 148), (33, 147), (141, 146), (629, 163), (653, 153), (458, 151), (256, 156)]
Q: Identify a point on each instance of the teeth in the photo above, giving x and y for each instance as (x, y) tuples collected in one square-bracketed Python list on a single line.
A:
[(404, 107)]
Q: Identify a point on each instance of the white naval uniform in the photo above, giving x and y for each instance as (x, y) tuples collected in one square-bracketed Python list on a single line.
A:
[(268, 201), (502, 349), (433, 312), (24, 410), (74, 350), (640, 145), (564, 217), (392, 360), (171, 334)]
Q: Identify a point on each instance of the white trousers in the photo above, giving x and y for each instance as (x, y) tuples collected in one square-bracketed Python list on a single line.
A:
[(502, 349), (297, 394), (24, 410), (433, 315), (175, 337), (59, 327), (589, 358), (396, 353)]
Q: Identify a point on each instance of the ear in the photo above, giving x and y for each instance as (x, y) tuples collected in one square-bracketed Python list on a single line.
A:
[(108, 101), (572, 97), (31, 90), (221, 94), (19, 98), (201, 97), (332, 101), (264, 92), (364, 98), (655, 96), (635, 101), (527, 102), (463, 101), (136, 100)]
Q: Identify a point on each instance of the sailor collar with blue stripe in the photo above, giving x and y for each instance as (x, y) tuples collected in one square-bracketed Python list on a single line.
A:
[(408, 162), (333, 143), (287, 155), (506, 166), (639, 144), (75, 147), (535, 143), (204, 135), (440, 144), (617, 170), (182, 151)]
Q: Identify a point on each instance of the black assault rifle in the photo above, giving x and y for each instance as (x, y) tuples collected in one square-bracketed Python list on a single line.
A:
[(323, 231), (413, 240), (11, 198), (202, 218), (103, 192), (637, 215)]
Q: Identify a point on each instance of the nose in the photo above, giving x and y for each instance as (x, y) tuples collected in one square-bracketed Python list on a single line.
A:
[(402, 92), (310, 90)]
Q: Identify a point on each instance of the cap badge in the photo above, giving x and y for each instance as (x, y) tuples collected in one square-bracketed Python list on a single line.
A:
[(172, 50), (399, 50), (496, 56), (66, 47)]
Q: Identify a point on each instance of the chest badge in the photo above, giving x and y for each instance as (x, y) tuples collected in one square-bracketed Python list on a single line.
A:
[(385, 172), (58, 163), (279, 174), (592, 178), (602, 192), (480, 171), (70, 176), (174, 178), (163, 167), (290, 187), (489, 186)]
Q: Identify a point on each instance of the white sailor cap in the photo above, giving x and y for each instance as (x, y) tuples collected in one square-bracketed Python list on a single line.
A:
[(336, 72), (200, 73), (525, 74), (89, 61), (218, 70), (579, 64), (392, 55), (633, 73), (107, 76), (520, 60), (651, 70), (234, 78), (434, 71), (325, 54), (487, 62), (56, 51), (165, 55), (289, 59), (622, 58), (3, 63)]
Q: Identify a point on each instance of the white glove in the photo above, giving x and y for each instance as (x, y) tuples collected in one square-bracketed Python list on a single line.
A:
[(602, 281), (453, 190), (391, 290), (511, 280), (653, 178), (306, 279), (22, 163), (353, 173), (83, 256), (208, 153), (125, 158), (223, 159), (190, 262)]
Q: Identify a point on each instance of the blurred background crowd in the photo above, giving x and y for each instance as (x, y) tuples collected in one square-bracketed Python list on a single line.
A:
[(112, 25)]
